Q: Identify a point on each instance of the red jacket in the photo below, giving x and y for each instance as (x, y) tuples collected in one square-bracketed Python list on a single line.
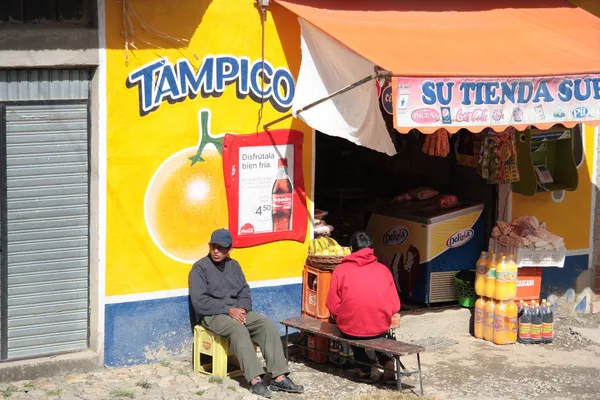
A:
[(362, 295)]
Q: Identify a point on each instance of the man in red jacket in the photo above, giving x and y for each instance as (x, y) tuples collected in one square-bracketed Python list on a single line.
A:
[(363, 298)]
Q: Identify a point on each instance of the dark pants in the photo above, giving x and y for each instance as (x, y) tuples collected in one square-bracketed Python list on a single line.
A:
[(258, 330), (361, 355)]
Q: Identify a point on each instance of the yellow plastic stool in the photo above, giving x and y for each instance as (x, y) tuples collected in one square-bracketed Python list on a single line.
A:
[(217, 348)]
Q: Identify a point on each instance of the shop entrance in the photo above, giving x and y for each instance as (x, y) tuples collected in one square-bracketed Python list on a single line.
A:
[(44, 212), (358, 187)]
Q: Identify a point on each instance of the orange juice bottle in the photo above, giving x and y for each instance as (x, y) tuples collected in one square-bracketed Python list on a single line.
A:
[(502, 280), (490, 278), (512, 276), (481, 269), (512, 314), (500, 323), (478, 320), (488, 319)]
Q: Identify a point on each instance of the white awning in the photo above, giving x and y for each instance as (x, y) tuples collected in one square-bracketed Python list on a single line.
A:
[(328, 66)]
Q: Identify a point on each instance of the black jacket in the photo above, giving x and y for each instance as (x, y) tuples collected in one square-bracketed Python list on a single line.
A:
[(215, 288)]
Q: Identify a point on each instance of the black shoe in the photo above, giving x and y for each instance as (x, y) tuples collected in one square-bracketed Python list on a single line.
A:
[(260, 389), (286, 385)]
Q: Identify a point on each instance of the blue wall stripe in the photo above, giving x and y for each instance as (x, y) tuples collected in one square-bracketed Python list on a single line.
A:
[(558, 281), (138, 332)]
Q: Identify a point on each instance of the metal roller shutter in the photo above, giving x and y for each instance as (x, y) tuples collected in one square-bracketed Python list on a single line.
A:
[(45, 303)]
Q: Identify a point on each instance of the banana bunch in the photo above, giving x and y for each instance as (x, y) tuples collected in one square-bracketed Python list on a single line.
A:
[(326, 246)]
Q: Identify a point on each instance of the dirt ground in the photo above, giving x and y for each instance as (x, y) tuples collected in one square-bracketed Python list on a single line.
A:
[(569, 368), (463, 368)]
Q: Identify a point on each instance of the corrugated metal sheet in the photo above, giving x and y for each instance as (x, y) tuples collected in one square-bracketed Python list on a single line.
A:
[(47, 204), (44, 84)]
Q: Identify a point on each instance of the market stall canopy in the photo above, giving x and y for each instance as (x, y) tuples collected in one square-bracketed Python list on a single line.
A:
[(458, 63)]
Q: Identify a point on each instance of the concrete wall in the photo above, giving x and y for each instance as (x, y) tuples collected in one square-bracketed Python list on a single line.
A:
[(23, 46), (38, 46)]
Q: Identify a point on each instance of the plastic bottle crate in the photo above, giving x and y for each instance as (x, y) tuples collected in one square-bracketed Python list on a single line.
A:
[(525, 257), (318, 343), (529, 283), (315, 287), (328, 319)]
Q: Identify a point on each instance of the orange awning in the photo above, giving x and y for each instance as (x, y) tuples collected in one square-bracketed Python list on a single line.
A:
[(472, 64), (444, 38)]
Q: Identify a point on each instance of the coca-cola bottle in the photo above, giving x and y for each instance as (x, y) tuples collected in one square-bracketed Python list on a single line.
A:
[(281, 199)]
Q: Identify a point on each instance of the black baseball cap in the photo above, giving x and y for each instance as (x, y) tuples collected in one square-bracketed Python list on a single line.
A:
[(222, 237)]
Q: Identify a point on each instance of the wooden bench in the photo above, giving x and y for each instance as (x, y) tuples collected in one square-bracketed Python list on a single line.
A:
[(382, 345)]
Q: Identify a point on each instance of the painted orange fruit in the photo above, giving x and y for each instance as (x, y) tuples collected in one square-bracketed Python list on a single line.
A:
[(185, 202)]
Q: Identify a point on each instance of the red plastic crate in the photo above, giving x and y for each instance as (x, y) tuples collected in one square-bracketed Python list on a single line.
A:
[(529, 283), (318, 343), (315, 287)]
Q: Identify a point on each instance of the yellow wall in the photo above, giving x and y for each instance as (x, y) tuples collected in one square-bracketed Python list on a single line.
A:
[(138, 145), (569, 218)]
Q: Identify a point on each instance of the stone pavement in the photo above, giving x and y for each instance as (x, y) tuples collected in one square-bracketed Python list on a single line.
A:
[(175, 380), (469, 369)]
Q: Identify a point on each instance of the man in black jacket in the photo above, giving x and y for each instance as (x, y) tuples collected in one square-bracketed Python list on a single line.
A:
[(221, 299)]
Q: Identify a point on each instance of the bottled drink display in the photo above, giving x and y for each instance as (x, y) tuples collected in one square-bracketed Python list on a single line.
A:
[(334, 353), (346, 351), (500, 324), (500, 290), (478, 320), (497, 316), (481, 270), (334, 350), (536, 323), (506, 279), (490, 278), (512, 313), (525, 325), (520, 308), (547, 323), (340, 353), (488, 319), (282, 199), (513, 276)]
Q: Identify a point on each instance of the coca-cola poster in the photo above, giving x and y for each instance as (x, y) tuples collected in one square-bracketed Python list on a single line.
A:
[(477, 103), (265, 188)]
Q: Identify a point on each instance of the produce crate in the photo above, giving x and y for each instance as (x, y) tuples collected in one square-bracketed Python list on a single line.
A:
[(315, 288), (525, 257)]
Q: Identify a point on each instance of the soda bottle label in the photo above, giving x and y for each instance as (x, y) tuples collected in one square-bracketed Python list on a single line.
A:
[(482, 269), (503, 276), (333, 347), (489, 320), (512, 325), (499, 324), (282, 202), (536, 331), (478, 315), (525, 330), (491, 273), (547, 330)]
